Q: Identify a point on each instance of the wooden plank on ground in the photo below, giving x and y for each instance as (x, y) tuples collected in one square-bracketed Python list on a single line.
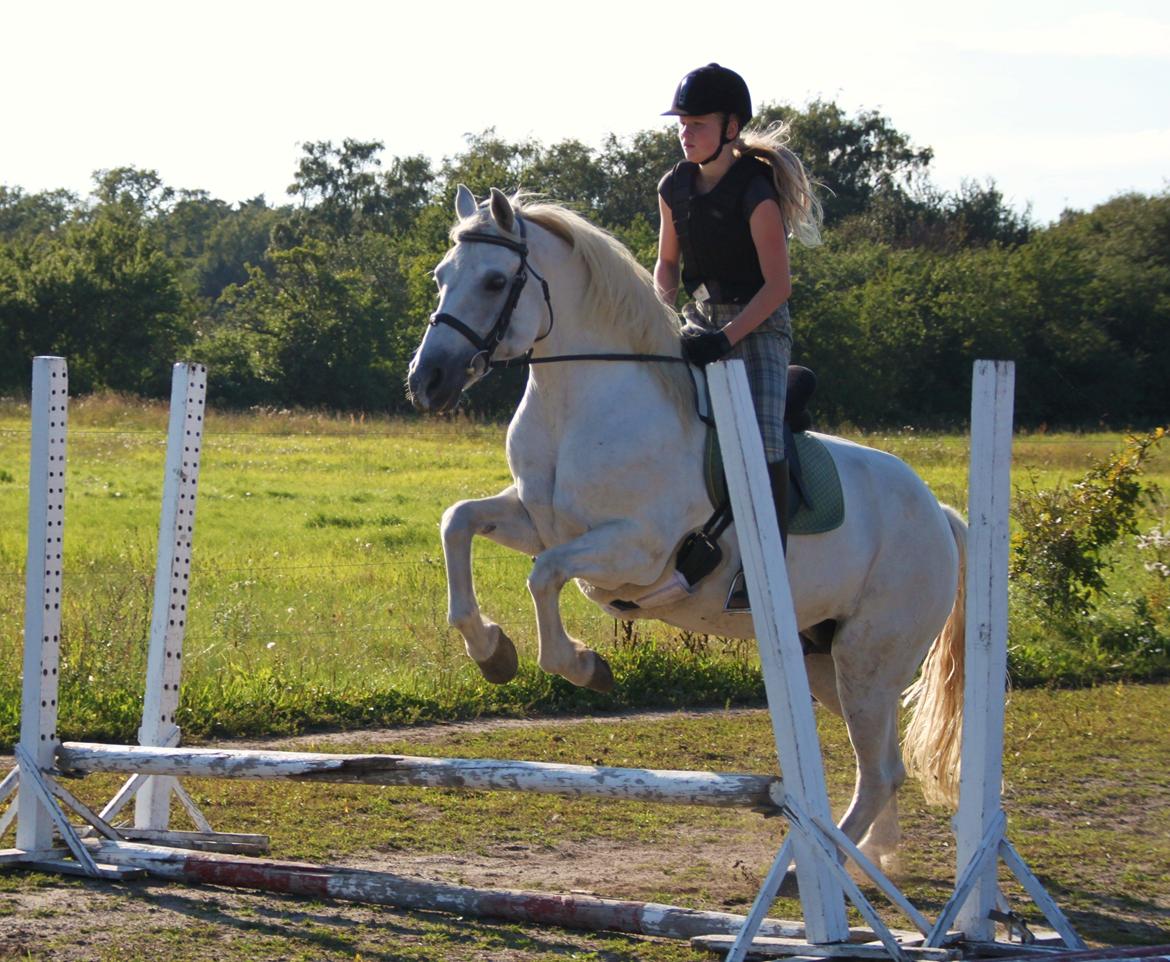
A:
[(770, 947)]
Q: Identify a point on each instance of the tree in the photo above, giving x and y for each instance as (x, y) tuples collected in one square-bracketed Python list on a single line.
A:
[(103, 295), (25, 216), (855, 159), (321, 331), (343, 191), (488, 161), (141, 192), (633, 166), (236, 242)]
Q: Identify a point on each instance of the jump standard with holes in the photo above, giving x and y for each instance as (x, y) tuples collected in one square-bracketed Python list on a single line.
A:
[(57, 832)]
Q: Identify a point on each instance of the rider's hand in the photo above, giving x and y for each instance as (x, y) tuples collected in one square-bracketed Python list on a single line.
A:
[(702, 349)]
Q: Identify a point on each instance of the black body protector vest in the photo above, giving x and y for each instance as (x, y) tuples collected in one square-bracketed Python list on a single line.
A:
[(714, 235)]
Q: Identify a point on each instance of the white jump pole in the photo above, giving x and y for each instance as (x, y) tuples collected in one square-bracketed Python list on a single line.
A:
[(719, 789), (42, 612), (171, 586), (786, 684), (989, 500), (572, 911), (980, 824)]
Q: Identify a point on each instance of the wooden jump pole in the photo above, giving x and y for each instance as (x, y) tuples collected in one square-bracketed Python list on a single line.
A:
[(42, 610), (573, 781), (981, 824), (172, 577), (575, 911)]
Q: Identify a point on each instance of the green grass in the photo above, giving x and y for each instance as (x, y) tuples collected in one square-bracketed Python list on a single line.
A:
[(318, 593)]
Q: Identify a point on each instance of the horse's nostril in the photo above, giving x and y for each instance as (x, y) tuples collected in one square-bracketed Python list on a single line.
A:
[(434, 380)]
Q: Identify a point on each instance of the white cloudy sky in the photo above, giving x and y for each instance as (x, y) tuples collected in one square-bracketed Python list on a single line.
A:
[(1062, 102)]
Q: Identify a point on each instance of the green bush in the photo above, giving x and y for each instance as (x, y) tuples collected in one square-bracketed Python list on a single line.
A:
[(1059, 554)]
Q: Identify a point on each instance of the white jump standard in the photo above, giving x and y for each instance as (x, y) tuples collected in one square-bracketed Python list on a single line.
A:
[(47, 839)]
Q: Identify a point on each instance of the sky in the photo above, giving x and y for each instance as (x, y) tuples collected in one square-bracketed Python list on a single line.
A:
[(1063, 103)]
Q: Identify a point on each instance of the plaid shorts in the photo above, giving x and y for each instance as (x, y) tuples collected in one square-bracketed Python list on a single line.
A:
[(766, 353)]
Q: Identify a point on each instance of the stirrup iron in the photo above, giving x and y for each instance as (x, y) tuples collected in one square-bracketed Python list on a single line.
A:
[(737, 601)]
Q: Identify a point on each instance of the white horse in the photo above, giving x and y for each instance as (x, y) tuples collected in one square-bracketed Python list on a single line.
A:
[(606, 459)]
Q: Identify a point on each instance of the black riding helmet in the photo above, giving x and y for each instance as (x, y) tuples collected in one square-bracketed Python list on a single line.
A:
[(713, 90)]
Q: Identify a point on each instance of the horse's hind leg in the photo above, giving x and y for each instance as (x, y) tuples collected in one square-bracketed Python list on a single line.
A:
[(883, 834), (503, 519), (868, 688)]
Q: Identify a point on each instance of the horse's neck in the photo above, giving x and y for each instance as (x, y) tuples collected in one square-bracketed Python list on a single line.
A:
[(578, 330)]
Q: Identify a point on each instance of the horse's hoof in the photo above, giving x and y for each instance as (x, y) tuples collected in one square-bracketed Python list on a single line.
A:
[(602, 677), (501, 666)]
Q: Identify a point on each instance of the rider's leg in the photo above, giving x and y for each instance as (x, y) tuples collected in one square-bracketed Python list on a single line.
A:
[(737, 597)]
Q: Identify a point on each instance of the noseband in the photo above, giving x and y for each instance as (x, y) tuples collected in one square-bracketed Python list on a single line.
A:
[(482, 362)]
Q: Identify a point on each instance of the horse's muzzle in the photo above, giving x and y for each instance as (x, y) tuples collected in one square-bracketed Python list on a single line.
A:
[(434, 386)]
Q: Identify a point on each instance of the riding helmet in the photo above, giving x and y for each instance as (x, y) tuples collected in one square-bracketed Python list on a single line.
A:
[(712, 90)]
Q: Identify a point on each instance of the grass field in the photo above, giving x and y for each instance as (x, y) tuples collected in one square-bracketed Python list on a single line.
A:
[(318, 591)]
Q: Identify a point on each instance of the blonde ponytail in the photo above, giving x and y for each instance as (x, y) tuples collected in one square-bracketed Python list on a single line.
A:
[(799, 205)]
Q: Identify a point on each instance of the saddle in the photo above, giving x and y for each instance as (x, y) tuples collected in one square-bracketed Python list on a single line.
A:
[(802, 384), (815, 498)]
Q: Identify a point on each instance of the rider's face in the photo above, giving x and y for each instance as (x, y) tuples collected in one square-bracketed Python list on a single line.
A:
[(700, 135)]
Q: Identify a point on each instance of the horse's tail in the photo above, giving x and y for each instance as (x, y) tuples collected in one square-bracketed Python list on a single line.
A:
[(931, 748)]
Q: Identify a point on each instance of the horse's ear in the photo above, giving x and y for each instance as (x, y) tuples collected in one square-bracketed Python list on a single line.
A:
[(465, 204), (502, 212)]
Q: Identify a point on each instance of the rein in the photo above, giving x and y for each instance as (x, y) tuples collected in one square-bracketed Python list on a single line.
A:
[(525, 360)]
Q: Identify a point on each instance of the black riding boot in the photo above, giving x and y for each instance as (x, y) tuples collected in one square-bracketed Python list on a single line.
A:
[(737, 597)]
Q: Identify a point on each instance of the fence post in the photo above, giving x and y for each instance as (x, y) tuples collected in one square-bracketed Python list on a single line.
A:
[(171, 585), (42, 606), (789, 701), (989, 500)]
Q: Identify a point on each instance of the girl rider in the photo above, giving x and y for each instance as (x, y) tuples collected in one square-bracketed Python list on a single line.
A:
[(727, 211)]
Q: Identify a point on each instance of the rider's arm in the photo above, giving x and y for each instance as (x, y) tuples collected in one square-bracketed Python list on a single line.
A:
[(767, 227), (666, 268)]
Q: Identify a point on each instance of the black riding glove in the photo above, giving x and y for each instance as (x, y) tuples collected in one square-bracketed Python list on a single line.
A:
[(702, 349)]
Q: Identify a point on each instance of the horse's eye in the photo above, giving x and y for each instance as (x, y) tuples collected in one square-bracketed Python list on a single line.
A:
[(495, 281)]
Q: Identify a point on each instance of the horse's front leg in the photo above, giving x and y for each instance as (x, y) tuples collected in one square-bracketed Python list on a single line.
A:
[(502, 519), (609, 556)]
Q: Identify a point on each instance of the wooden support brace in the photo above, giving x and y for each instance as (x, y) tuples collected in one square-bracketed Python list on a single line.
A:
[(977, 868), (93, 818), (35, 781), (875, 874), (1056, 918), (7, 787), (827, 853)]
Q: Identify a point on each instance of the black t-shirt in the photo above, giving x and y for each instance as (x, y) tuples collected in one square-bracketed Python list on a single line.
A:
[(720, 253)]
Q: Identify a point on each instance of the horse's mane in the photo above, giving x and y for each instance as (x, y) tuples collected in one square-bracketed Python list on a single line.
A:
[(619, 290)]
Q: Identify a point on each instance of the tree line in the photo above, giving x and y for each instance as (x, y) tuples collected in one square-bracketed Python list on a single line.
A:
[(321, 301)]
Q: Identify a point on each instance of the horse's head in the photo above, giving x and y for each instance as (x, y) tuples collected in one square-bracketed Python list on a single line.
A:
[(487, 311)]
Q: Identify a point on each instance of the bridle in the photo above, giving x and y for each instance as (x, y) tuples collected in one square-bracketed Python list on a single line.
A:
[(482, 362)]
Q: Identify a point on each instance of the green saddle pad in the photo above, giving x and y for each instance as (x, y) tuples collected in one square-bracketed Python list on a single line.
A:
[(825, 508)]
